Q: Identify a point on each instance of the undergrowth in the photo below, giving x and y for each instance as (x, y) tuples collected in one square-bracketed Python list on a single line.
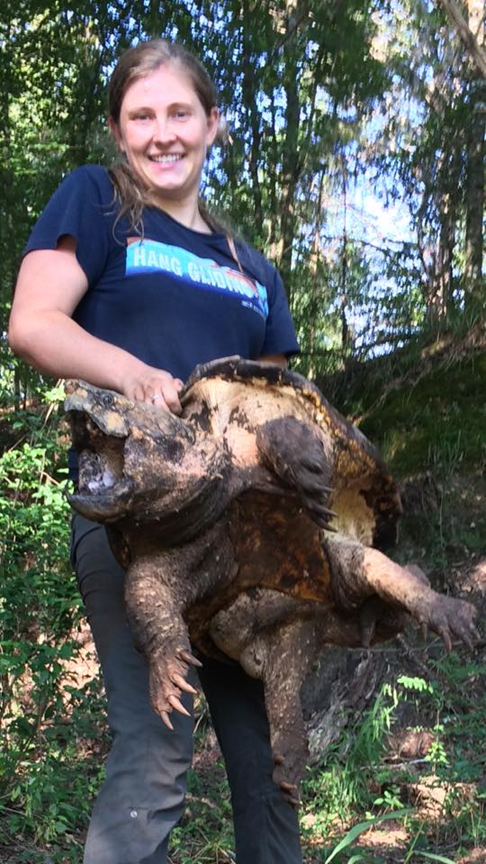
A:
[(362, 775)]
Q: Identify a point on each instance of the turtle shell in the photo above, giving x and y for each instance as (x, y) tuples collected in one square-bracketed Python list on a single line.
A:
[(364, 497)]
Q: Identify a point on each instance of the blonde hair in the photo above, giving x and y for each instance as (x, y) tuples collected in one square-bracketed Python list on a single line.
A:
[(136, 63)]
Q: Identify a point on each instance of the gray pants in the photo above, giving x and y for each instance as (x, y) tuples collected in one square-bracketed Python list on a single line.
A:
[(142, 798)]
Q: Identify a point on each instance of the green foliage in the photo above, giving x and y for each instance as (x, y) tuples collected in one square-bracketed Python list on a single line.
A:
[(420, 424), (45, 785), (359, 829)]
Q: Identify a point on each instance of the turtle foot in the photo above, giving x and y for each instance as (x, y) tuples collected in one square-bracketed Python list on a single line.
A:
[(168, 678), (379, 621), (450, 618), (290, 758), (296, 455)]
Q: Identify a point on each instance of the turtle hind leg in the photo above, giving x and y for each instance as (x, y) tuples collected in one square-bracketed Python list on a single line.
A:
[(289, 653), (262, 630), (296, 455), (358, 572)]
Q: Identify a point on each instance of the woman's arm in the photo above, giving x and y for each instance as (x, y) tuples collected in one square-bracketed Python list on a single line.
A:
[(49, 287)]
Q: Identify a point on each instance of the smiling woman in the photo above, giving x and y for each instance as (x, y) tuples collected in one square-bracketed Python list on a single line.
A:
[(164, 132), (128, 283)]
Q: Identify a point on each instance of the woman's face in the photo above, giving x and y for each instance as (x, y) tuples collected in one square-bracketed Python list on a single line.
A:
[(164, 132)]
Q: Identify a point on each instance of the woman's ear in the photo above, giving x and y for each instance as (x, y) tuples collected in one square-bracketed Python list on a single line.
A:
[(213, 124)]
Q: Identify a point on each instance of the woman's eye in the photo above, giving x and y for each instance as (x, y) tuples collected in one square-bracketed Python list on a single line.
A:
[(181, 114)]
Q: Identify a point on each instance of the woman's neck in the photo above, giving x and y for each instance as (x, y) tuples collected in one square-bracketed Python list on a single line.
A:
[(185, 212)]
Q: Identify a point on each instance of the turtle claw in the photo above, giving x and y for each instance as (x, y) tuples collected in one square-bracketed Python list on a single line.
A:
[(168, 671), (450, 617), (184, 685), (291, 793), (166, 719), (177, 704), (189, 658)]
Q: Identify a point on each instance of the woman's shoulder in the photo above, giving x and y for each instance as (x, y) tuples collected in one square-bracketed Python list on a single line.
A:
[(90, 176)]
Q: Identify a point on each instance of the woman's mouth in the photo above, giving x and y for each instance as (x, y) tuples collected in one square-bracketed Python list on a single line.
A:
[(168, 159)]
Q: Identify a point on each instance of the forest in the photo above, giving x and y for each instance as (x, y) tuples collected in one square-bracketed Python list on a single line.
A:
[(354, 159)]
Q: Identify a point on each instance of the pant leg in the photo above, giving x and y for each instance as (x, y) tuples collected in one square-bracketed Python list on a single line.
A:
[(266, 825), (143, 795)]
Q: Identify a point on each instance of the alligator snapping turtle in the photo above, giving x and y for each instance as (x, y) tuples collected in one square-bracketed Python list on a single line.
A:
[(254, 526)]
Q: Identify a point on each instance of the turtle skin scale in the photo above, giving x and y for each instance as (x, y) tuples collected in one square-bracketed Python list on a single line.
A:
[(253, 527)]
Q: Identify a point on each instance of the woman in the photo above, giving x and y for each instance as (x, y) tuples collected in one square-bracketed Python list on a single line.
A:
[(127, 283)]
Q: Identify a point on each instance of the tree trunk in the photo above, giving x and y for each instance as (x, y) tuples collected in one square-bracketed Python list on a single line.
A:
[(251, 110), (473, 270)]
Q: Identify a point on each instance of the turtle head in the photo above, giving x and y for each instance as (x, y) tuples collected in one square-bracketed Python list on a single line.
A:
[(130, 454)]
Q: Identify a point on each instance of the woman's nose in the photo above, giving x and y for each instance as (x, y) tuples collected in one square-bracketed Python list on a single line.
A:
[(163, 130)]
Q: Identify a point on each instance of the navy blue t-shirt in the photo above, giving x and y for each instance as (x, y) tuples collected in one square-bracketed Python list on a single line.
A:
[(174, 298)]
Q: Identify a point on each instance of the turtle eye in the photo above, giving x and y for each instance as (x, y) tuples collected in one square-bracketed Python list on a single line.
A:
[(107, 400)]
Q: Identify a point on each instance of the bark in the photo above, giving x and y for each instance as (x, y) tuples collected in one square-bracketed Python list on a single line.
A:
[(291, 162), (473, 280), (290, 172), (470, 40), (251, 109), (473, 276), (314, 268)]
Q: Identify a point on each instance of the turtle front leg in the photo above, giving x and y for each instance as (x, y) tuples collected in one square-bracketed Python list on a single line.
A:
[(161, 585), (358, 572), (298, 457), (154, 608)]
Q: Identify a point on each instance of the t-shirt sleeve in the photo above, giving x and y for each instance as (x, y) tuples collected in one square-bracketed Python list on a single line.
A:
[(79, 208), (280, 335)]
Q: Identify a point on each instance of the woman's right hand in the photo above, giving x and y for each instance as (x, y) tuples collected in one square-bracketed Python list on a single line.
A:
[(155, 386)]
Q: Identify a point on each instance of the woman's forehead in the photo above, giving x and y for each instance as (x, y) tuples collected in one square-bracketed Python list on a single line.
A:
[(167, 84)]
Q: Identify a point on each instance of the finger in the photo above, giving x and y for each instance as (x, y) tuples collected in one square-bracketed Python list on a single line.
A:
[(158, 401), (170, 394), (137, 394), (178, 384)]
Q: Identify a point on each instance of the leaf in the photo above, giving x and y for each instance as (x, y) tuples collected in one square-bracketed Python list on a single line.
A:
[(356, 830), (431, 856)]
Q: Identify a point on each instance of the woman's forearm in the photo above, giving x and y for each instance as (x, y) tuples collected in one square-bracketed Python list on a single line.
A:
[(54, 344)]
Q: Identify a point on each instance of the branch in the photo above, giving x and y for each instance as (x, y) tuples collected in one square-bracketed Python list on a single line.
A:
[(466, 35)]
